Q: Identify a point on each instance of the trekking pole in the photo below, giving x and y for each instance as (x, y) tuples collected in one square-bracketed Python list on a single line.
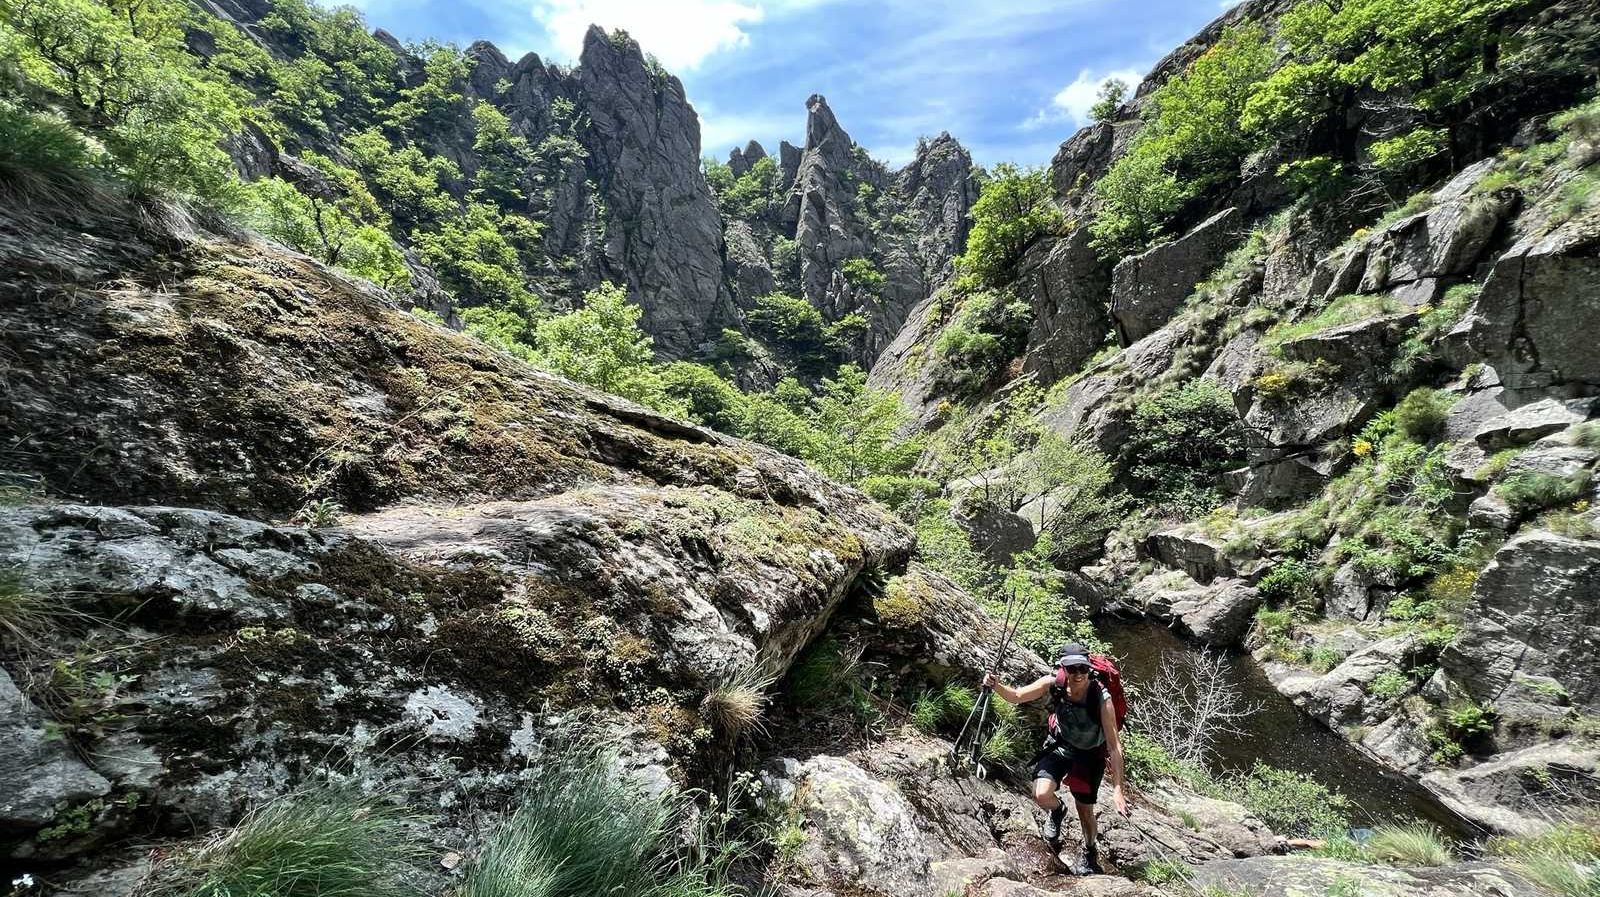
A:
[(981, 704), (1010, 624)]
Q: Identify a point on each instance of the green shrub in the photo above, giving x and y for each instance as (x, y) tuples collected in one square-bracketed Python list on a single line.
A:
[(1291, 581), (863, 275), (1530, 492), (1390, 684), (1410, 845), (791, 324), (316, 842), (1014, 210), (1182, 440), (1586, 434), (988, 330), (1399, 155), (1420, 416), (1293, 804)]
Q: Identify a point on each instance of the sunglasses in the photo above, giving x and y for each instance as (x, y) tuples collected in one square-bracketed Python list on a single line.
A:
[(1077, 671)]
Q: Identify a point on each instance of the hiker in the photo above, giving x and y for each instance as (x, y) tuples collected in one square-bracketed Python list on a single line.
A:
[(1083, 739)]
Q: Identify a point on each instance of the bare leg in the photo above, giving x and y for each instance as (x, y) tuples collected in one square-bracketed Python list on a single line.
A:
[(1044, 793), (1086, 819)]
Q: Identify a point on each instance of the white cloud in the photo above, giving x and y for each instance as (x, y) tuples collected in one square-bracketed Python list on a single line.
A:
[(681, 33), (1073, 102)]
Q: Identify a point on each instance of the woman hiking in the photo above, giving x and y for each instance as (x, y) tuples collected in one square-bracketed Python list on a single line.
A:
[(1083, 739)]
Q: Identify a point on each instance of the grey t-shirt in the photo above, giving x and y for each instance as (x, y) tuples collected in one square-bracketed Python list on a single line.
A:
[(1078, 724)]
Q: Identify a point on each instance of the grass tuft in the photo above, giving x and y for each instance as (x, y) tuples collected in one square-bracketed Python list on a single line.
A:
[(582, 828), (1410, 845), (736, 705), (1564, 861), (317, 842), (43, 162)]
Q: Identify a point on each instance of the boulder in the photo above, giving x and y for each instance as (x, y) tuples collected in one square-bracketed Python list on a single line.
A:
[(863, 830), (40, 776), (1534, 320), (1186, 548), (1343, 696), (1298, 876), (1445, 240), (1355, 594), (1532, 421), (1146, 289), (1535, 611), (1066, 283), (1227, 823), (1218, 614), (995, 532), (1519, 792)]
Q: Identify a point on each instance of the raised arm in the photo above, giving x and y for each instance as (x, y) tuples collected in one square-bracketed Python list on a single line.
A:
[(1033, 691)]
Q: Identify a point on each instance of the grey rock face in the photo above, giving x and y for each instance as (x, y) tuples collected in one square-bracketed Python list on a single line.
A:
[(1298, 875), (822, 202), (1184, 548), (1147, 288), (39, 774), (1535, 612), (663, 233), (1535, 318), (747, 266), (1066, 283), (1529, 422), (1218, 614), (1343, 696), (1516, 791), (1090, 407)]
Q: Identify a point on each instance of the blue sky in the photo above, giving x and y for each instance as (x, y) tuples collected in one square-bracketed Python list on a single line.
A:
[(1010, 81)]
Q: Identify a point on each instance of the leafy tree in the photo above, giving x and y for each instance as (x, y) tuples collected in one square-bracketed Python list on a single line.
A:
[(480, 255), (335, 232), (339, 55), (504, 157), (864, 276), (859, 429), (434, 104), (1182, 150), (123, 72), (705, 395), (508, 328), (1438, 55), (791, 324), (1108, 99), (601, 344), (1013, 211), (1182, 439), (1083, 503), (719, 177), (753, 193), (407, 180)]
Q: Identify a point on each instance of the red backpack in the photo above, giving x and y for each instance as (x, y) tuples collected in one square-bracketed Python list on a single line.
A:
[(1102, 670)]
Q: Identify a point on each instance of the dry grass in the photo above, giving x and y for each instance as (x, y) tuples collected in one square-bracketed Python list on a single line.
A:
[(737, 704)]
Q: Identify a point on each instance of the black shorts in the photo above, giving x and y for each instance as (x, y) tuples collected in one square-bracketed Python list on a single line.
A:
[(1081, 770)]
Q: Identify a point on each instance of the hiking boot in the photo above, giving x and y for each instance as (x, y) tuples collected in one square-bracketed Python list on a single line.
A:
[(1088, 862), (1052, 825)]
